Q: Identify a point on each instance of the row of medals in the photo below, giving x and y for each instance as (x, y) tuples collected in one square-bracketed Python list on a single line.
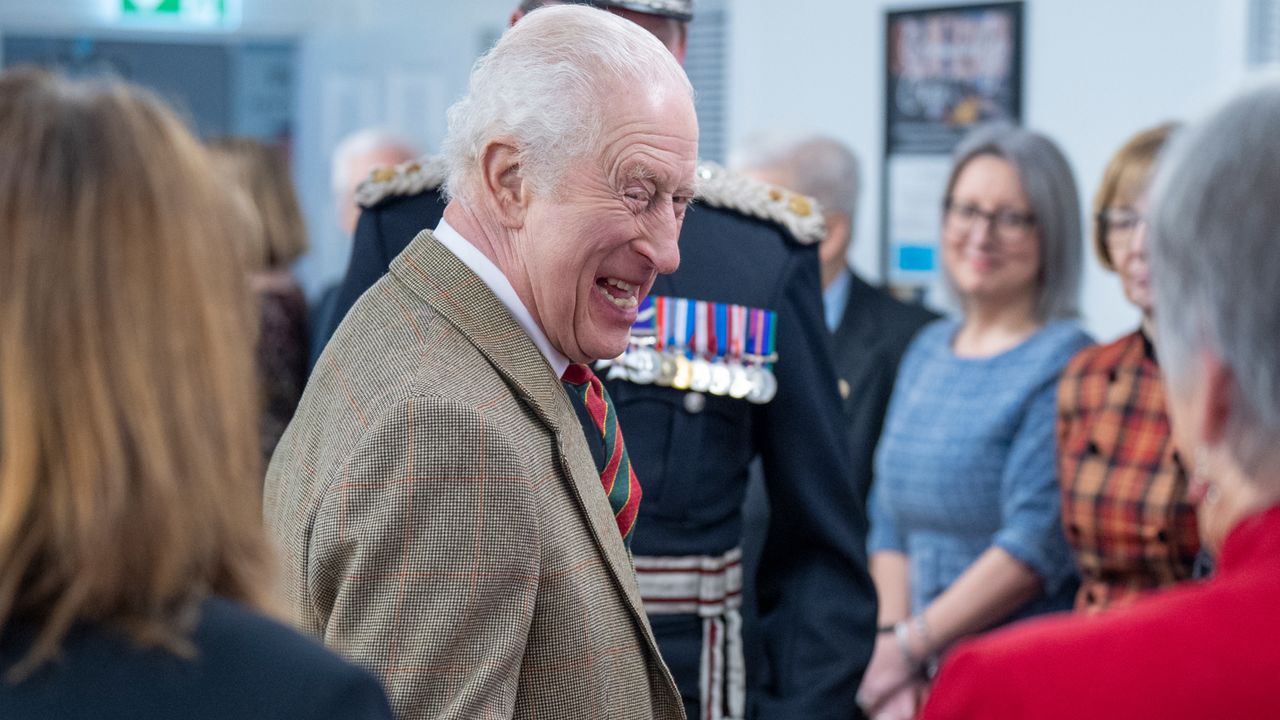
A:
[(644, 365)]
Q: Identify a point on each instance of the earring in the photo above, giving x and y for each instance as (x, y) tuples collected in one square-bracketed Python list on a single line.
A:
[(1202, 472)]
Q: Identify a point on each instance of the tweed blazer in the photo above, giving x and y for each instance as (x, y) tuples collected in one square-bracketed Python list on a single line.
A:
[(443, 521)]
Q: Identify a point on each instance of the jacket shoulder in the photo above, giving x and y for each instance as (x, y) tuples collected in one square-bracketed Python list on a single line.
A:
[(800, 215), (409, 178)]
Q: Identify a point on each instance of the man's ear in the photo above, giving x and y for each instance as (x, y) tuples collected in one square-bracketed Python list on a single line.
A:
[(503, 184)]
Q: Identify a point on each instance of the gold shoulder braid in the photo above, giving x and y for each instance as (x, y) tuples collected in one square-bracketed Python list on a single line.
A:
[(409, 178), (799, 214)]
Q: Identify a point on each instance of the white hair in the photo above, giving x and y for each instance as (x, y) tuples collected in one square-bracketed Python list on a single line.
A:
[(361, 142), (821, 167), (1215, 256), (544, 85)]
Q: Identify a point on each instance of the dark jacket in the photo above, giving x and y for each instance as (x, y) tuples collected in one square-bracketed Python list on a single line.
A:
[(868, 344), (246, 667)]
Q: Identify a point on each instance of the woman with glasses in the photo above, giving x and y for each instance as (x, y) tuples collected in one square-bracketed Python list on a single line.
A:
[(966, 530), (1124, 490)]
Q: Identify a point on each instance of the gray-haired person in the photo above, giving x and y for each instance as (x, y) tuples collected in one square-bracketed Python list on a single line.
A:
[(870, 329), (443, 519), (966, 532), (1202, 649)]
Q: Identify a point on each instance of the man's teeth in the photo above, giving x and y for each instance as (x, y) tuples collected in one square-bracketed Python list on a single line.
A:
[(625, 302)]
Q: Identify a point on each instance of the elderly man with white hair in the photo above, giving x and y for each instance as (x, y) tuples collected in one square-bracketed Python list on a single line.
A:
[(443, 518)]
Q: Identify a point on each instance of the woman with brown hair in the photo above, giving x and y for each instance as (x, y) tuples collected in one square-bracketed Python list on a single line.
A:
[(134, 570), (274, 237), (1124, 490)]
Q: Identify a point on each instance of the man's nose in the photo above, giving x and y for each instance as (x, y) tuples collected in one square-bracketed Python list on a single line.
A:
[(662, 247)]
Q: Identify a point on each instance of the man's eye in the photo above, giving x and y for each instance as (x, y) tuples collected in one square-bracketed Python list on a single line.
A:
[(639, 196)]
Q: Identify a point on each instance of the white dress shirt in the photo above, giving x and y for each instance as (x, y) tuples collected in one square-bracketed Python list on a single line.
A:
[(490, 275)]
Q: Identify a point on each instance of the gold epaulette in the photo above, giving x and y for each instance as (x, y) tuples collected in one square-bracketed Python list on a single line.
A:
[(408, 178), (799, 214)]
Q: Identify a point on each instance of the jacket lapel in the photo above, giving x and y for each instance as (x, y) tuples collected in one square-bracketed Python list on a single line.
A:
[(462, 298)]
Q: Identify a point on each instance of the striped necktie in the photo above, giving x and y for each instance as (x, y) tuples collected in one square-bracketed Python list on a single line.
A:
[(617, 477)]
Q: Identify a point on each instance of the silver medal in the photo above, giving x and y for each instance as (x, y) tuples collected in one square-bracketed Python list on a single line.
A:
[(700, 377)]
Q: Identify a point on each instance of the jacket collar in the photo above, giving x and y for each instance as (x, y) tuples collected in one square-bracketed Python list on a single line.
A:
[(445, 283)]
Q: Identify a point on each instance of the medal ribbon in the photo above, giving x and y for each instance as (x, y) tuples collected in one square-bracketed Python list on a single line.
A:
[(681, 338), (660, 319), (721, 329), (701, 332)]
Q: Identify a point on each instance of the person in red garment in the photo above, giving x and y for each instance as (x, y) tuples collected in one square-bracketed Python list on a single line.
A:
[(1205, 650)]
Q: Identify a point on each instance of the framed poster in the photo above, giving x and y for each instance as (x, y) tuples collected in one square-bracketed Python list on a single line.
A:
[(947, 69)]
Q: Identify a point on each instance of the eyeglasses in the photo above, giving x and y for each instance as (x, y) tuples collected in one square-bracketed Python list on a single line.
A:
[(1117, 225), (1010, 226), (1121, 219)]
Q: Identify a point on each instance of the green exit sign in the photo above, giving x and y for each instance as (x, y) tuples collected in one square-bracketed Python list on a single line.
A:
[(180, 13)]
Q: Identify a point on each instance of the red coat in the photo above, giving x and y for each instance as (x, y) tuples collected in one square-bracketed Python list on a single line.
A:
[(1201, 650)]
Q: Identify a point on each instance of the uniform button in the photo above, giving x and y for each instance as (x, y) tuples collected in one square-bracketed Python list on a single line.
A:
[(694, 402), (844, 389)]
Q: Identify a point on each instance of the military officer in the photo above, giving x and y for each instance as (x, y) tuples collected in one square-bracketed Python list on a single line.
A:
[(732, 364)]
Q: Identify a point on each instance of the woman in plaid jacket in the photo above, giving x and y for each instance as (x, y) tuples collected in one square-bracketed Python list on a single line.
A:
[(1124, 489)]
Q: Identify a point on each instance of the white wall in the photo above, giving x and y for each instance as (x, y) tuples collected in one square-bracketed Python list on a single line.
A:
[(1095, 72), (396, 64)]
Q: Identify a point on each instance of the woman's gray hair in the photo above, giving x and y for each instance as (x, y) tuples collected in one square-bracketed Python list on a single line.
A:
[(1215, 256), (544, 86), (1050, 189)]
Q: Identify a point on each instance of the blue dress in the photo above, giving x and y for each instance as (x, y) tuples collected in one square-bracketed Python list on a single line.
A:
[(967, 461)]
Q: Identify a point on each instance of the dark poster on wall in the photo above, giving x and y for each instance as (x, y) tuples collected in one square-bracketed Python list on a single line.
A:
[(947, 69)]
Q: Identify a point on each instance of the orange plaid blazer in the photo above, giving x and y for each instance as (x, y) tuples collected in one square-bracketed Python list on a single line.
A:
[(1124, 489)]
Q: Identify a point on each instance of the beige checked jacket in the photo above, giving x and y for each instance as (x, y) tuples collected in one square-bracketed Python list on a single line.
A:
[(442, 519)]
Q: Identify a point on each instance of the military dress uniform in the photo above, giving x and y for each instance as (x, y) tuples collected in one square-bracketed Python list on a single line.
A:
[(750, 246)]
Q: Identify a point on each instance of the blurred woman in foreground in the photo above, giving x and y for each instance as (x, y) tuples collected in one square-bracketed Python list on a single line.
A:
[(133, 565), (1199, 650)]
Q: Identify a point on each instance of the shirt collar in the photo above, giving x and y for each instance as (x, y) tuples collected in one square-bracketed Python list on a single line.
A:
[(493, 277), (835, 297)]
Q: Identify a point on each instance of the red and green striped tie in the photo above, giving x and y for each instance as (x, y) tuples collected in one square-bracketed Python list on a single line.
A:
[(618, 477)]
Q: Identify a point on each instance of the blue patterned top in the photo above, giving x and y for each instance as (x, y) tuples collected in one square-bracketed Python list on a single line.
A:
[(967, 461)]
